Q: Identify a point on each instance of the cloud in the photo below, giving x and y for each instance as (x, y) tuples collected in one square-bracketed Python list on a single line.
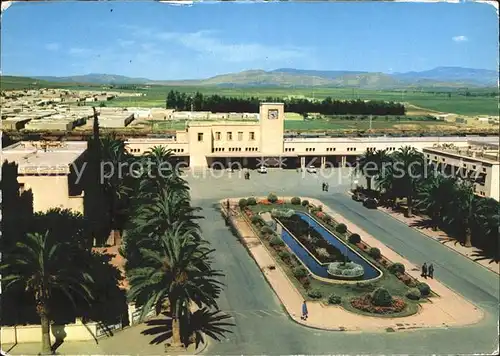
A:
[(207, 44), (125, 43), (52, 46), (79, 52), (460, 38)]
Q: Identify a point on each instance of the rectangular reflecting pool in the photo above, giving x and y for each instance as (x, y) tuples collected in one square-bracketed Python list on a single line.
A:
[(316, 267)]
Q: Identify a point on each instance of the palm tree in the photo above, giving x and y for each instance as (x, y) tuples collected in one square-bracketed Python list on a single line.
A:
[(434, 196), (367, 166), (464, 210), (115, 188), (408, 168), (40, 265), (178, 271), (371, 164)]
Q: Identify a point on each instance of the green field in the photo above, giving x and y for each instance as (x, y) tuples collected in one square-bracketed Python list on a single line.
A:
[(481, 105), (156, 95), (326, 125)]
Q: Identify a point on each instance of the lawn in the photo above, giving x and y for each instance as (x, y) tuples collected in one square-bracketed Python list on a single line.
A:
[(459, 104), (345, 291), (379, 123)]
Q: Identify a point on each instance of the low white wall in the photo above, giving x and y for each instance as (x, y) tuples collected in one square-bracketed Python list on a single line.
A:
[(33, 333)]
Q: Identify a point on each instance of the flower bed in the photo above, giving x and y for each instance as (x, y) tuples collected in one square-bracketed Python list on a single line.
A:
[(312, 240), (365, 304)]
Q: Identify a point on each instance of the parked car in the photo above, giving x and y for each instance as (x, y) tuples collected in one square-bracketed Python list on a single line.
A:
[(311, 169), (370, 203), (262, 169)]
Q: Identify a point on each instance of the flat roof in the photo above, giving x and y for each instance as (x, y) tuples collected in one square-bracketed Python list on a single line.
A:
[(464, 153), (32, 158)]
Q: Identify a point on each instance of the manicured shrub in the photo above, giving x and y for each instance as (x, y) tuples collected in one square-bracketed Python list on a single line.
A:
[(256, 219), (319, 207), (266, 230), (424, 289), (381, 297), (414, 294), (341, 228), (375, 253), (354, 239), (295, 201), (251, 201), (272, 198), (334, 299), (242, 203), (299, 272), (284, 255), (396, 268), (276, 241), (315, 294), (305, 202)]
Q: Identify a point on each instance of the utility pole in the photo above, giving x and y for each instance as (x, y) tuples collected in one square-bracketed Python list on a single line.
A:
[(371, 122)]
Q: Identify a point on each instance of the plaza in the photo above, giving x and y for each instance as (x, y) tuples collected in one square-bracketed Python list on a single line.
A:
[(263, 327)]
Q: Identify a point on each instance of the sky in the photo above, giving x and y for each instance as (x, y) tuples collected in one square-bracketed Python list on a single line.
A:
[(164, 42)]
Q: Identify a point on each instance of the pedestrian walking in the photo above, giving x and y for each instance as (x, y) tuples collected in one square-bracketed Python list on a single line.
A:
[(326, 186), (227, 204), (424, 270), (305, 314), (431, 271), (323, 186)]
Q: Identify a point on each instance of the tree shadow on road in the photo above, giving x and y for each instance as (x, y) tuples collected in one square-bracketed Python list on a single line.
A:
[(202, 322)]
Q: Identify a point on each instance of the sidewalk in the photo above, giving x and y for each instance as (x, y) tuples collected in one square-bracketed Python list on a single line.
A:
[(471, 253), (128, 341), (448, 310)]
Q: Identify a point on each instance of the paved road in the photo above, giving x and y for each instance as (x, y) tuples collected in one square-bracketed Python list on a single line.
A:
[(260, 326)]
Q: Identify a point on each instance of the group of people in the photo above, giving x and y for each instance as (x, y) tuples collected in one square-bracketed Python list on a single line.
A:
[(325, 187), (427, 271)]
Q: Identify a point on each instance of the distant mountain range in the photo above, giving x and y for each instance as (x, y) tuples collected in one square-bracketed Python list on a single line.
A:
[(441, 77)]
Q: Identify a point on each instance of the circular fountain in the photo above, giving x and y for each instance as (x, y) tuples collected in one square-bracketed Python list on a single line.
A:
[(345, 270)]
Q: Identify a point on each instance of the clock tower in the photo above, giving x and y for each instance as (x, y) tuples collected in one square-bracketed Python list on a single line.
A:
[(272, 126)]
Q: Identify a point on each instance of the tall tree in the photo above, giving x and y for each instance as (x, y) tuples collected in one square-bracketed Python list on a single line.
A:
[(40, 266), (434, 196), (408, 169), (177, 270)]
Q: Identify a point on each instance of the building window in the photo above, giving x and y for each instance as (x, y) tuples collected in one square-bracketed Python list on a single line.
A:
[(200, 136), (240, 136), (484, 169), (474, 167), (251, 135), (229, 136), (217, 136)]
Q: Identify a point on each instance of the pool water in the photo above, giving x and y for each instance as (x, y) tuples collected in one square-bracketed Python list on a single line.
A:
[(316, 267)]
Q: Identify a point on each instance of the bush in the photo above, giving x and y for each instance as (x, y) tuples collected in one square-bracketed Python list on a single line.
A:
[(295, 201), (319, 207), (424, 289), (272, 198), (284, 255), (315, 294), (413, 294), (354, 239), (276, 241), (381, 297), (266, 230), (334, 299), (242, 203), (299, 272), (305, 202), (396, 268), (375, 253), (341, 228), (256, 219), (251, 201)]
